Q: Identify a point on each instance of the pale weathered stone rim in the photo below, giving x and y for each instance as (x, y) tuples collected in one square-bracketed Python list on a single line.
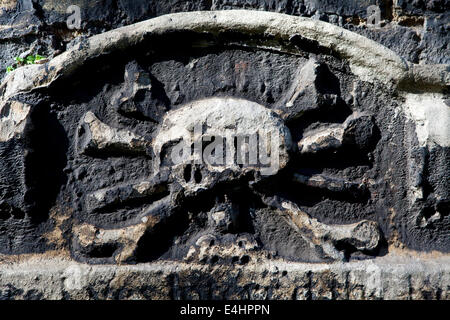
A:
[(384, 278), (368, 59)]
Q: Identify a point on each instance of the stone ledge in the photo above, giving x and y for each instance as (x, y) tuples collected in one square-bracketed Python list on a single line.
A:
[(389, 277)]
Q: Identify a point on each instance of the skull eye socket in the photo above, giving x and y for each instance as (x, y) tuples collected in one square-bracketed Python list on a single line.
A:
[(187, 173), (198, 175)]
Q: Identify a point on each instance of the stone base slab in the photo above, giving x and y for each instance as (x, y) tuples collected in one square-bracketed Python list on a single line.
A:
[(387, 277)]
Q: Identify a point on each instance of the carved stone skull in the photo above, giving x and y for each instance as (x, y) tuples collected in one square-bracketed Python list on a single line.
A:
[(247, 137)]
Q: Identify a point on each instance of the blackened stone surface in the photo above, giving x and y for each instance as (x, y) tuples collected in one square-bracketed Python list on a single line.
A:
[(117, 216), (80, 173)]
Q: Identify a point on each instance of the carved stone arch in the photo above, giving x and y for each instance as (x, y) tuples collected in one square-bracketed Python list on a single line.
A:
[(346, 108)]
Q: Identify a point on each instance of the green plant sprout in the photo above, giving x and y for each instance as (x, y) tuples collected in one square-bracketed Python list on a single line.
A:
[(32, 59)]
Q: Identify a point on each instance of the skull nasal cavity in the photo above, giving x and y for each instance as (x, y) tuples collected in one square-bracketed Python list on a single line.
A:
[(198, 175)]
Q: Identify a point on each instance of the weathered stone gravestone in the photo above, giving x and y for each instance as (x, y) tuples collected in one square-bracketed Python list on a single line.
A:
[(327, 147)]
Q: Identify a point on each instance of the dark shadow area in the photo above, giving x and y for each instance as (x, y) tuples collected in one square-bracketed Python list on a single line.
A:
[(309, 196), (160, 239), (90, 79), (325, 114), (133, 202), (47, 143), (190, 218), (342, 158)]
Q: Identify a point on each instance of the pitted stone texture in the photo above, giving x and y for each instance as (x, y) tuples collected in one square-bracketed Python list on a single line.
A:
[(8, 4), (139, 95), (385, 278), (357, 176), (314, 88), (416, 30)]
